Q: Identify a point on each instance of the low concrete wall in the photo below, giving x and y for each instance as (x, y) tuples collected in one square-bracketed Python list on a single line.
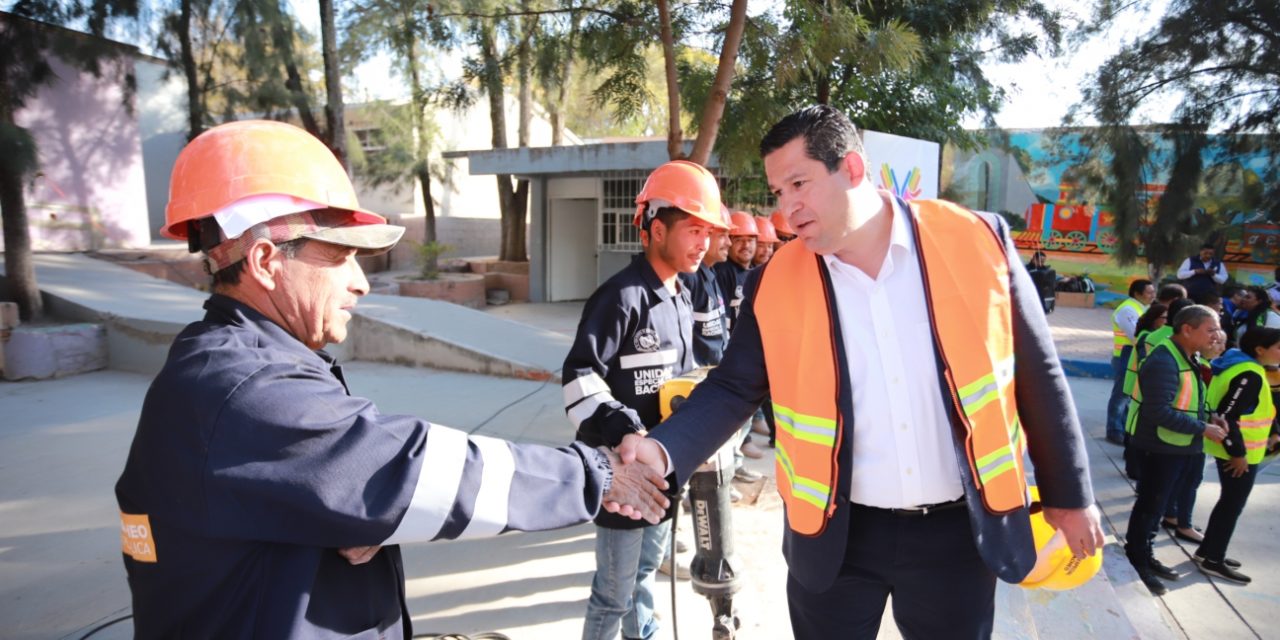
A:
[(466, 236)]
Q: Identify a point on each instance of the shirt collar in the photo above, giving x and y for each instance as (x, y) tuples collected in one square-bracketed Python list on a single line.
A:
[(900, 244), (650, 276)]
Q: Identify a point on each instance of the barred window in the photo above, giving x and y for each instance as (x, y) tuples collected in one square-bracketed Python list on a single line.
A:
[(618, 209)]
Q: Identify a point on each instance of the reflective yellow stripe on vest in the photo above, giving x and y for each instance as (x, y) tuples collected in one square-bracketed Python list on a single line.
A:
[(966, 274)]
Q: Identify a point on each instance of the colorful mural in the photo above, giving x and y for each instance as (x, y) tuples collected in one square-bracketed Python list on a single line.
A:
[(908, 189), (1032, 178)]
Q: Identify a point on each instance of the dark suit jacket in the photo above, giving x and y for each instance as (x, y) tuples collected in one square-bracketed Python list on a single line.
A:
[(734, 389)]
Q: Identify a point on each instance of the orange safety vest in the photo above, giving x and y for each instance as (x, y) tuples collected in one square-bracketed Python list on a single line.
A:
[(966, 277)]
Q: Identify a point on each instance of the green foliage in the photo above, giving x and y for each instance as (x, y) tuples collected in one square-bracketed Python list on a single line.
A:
[(1221, 62), (428, 257)]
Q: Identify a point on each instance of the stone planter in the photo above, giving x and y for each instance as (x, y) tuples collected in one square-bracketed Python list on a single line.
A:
[(466, 289)]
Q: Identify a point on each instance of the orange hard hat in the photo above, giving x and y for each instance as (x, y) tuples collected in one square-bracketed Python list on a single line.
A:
[(743, 224), (766, 230), (685, 185), (239, 160), (780, 223)]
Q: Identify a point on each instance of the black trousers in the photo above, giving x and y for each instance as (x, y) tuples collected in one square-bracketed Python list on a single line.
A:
[(1160, 476), (930, 564), (1222, 522)]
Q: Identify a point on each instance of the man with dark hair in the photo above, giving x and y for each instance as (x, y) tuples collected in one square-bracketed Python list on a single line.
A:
[(1123, 321), (1173, 419), (636, 332), (1170, 292), (886, 338), (1203, 272), (260, 498)]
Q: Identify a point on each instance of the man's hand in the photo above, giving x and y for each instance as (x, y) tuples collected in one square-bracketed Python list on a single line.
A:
[(359, 555), (1238, 466), (636, 491), (635, 447), (1214, 431), (1081, 528)]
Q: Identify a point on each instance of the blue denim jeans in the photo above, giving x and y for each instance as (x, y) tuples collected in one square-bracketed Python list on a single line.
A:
[(622, 589), (1118, 405)]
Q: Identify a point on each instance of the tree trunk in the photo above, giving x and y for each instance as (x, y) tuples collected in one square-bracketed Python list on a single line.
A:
[(562, 88), (512, 200), (524, 57), (430, 259), (283, 38), (334, 113), (713, 110), (18, 269), (195, 99), (675, 136)]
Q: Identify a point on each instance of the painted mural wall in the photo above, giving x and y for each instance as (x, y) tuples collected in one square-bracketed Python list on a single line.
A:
[(1030, 179)]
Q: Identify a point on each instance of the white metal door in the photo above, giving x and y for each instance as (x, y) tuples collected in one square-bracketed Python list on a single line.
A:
[(572, 249)]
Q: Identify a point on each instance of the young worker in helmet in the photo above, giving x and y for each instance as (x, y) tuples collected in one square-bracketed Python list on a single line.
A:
[(1240, 394), (909, 364), (260, 498), (1173, 420), (766, 241), (636, 332), (732, 276), (710, 335)]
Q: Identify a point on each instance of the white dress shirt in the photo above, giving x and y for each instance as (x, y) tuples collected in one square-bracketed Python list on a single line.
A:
[(903, 454), (1219, 275)]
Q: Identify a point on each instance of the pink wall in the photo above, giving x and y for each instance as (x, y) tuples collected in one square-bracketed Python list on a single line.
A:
[(89, 192)]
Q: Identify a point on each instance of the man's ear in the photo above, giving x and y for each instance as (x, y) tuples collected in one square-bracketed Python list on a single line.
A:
[(855, 167), (261, 265)]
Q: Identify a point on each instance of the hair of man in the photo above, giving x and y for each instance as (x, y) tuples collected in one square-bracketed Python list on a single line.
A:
[(1138, 286), (1192, 316), (828, 134), (1170, 292), (230, 276)]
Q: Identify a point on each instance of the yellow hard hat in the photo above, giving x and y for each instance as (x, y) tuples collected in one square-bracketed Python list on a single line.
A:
[(1056, 569)]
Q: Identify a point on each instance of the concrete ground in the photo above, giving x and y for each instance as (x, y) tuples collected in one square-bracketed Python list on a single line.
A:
[(63, 443)]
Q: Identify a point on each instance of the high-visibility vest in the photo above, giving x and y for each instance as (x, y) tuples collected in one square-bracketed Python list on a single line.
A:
[(1188, 400), (1256, 425), (1120, 339), (966, 281), (1142, 348)]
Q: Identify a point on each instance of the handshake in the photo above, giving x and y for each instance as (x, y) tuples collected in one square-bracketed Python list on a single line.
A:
[(639, 479)]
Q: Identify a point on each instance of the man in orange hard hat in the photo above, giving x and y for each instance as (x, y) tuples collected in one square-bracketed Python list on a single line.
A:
[(636, 332), (260, 498), (766, 241), (911, 369), (781, 228)]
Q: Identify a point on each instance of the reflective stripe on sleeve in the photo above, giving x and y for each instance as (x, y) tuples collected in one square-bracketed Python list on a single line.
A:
[(587, 408), (489, 517), (443, 461), (583, 386), (653, 359), (708, 316)]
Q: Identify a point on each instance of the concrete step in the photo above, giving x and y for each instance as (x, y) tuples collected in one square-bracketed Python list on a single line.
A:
[(143, 314)]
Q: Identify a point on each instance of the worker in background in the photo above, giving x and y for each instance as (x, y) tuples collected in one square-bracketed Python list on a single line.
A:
[(260, 498), (710, 313), (910, 367), (1160, 330), (1240, 394), (766, 241), (636, 332), (1258, 312), (1123, 321), (732, 275), (781, 228), (1203, 273), (1172, 422)]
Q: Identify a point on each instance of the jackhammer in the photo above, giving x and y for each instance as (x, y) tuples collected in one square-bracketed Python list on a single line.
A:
[(715, 569)]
